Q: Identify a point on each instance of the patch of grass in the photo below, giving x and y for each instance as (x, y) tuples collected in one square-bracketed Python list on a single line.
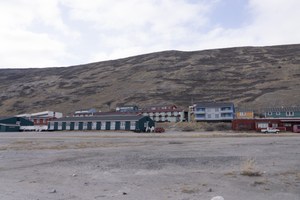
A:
[(287, 182), (204, 184), (247, 166), (261, 181), (189, 191), (229, 173)]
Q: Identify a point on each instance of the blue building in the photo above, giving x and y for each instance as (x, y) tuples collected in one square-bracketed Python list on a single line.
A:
[(211, 111)]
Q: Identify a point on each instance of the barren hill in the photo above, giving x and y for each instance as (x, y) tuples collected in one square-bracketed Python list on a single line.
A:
[(251, 77)]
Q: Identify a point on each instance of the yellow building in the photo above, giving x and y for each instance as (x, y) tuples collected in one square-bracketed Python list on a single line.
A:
[(244, 113)]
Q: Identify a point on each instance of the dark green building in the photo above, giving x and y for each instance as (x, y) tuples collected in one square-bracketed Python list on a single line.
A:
[(13, 124), (102, 122)]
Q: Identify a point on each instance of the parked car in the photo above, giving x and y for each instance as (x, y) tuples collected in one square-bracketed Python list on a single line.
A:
[(159, 130), (296, 128), (270, 130)]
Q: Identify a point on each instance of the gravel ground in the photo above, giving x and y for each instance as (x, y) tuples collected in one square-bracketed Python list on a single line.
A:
[(126, 165)]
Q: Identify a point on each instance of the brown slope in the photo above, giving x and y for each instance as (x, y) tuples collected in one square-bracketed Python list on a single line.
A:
[(251, 77)]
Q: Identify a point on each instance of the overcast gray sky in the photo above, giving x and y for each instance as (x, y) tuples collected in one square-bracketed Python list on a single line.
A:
[(54, 33)]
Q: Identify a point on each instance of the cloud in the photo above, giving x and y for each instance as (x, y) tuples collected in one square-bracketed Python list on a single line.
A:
[(22, 43), (132, 27), (64, 32)]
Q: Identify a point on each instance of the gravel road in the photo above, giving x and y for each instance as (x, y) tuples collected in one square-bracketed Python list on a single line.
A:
[(126, 165)]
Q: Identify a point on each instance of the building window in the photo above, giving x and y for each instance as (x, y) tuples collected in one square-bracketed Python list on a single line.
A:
[(208, 115), (216, 109), (287, 124), (44, 121), (132, 123), (242, 113), (208, 109), (197, 116), (274, 125), (249, 125), (241, 124), (197, 109), (37, 121), (269, 113), (216, 115), (277, 113), (289, 113), (122, 123), (262, 125), (68, 123)]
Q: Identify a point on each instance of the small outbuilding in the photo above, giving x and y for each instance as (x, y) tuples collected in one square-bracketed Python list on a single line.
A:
[(13, 124), (102, 122)]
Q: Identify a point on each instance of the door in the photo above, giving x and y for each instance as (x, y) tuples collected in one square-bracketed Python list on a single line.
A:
[(98, 126), (55, 126), (107, 127), (64, 125), (72, 126), (117, 126), (89, 126), (80, 126), (127, 125)]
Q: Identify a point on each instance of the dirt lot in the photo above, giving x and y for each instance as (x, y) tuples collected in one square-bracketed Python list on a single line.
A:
[(126, 165)]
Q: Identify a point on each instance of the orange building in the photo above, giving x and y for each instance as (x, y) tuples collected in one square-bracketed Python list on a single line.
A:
[(244, 113)]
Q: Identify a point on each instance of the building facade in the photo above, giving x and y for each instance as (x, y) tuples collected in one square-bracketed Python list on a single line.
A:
[(41, 118), (174, 115), (292, 112), (13, 124), (283, 124), (102, 122), (211, 111), (162, 107), (244, 113)]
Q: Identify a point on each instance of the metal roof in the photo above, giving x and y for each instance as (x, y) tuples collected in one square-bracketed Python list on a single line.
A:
[(161, 106), (282, 109), (127, 106), (84, 109), (244, 110), (212, 105), (123, 117)]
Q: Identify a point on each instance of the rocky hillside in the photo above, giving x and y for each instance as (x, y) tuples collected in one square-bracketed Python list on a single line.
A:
[(251, 77)]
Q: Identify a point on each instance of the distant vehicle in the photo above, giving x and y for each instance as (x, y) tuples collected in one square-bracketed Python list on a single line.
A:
[(159, 130), (137, 130), (270, 130), (296, 128)]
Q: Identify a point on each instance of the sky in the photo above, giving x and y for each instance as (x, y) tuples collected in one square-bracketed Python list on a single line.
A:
[(58, 33)]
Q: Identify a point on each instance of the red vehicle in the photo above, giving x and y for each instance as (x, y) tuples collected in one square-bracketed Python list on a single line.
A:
[(159, 130), (296, 128)]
